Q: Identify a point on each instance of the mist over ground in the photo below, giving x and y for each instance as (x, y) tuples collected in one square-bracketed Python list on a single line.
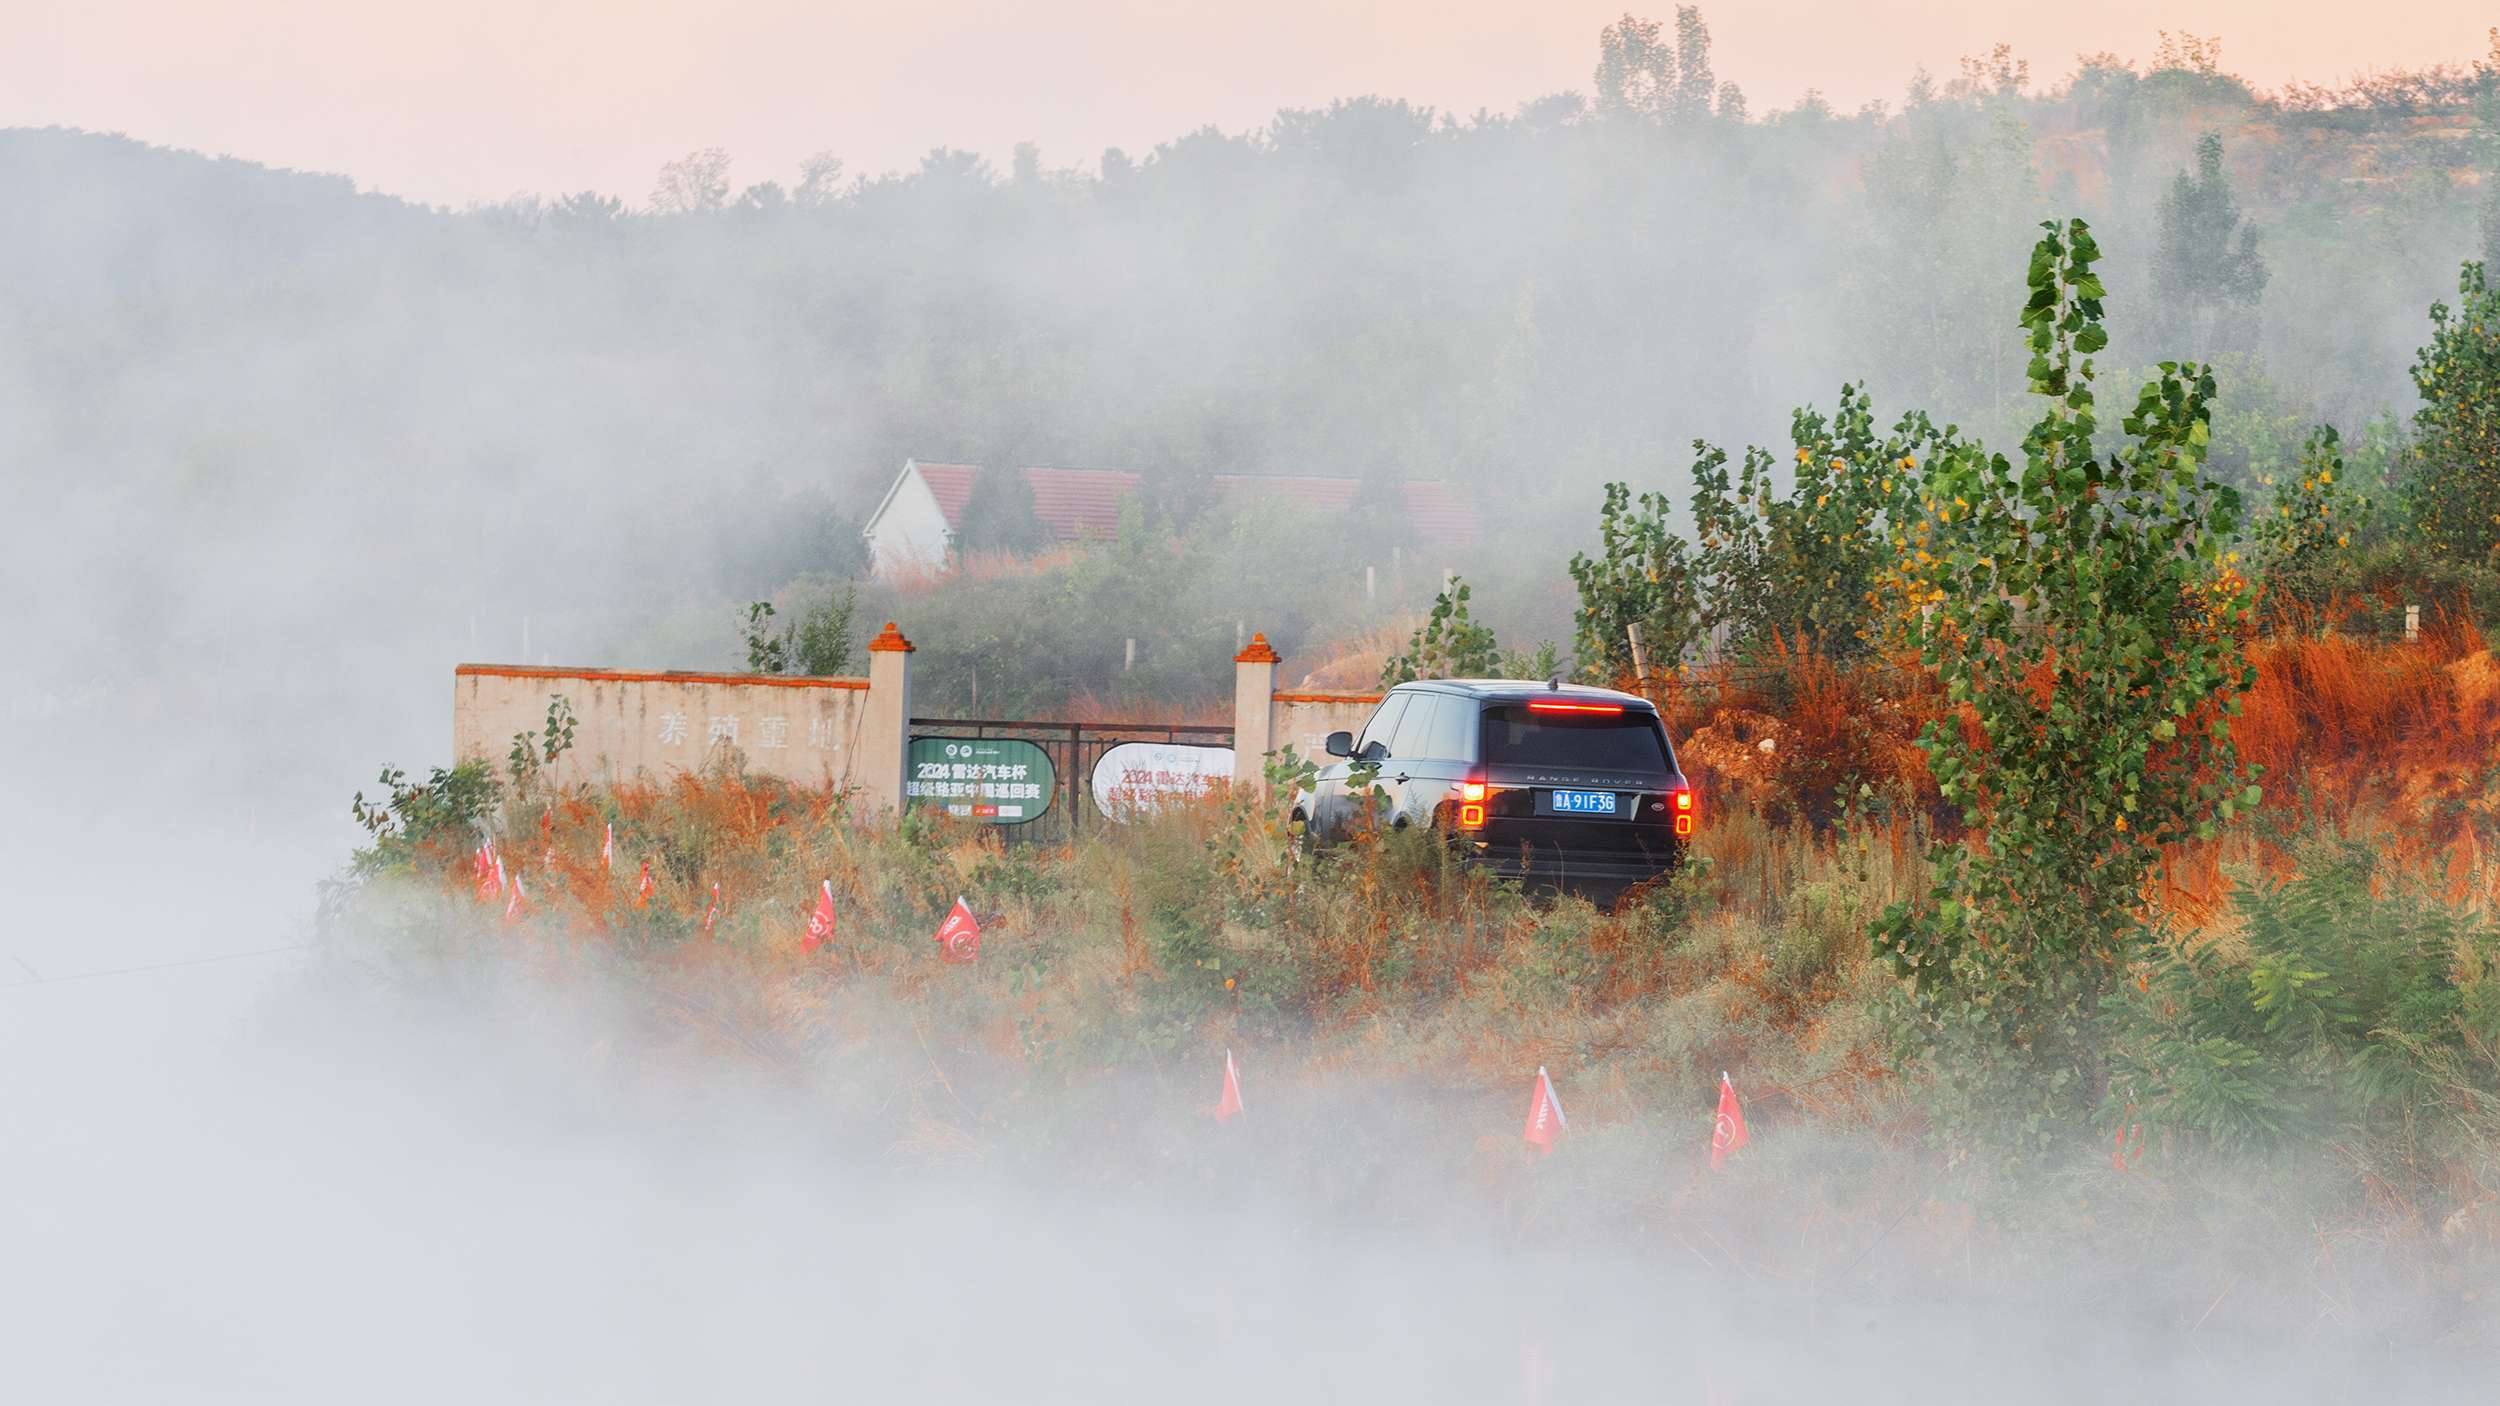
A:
[(305, 1185), (281, 451)]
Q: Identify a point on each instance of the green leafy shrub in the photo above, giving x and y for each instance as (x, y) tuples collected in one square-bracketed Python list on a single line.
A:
[(2352, 1009)]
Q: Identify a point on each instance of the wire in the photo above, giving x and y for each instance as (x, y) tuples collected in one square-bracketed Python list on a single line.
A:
[(153, 966)]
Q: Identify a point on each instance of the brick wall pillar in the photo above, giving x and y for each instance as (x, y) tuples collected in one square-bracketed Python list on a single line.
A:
[(1254, 711), (885, 732)]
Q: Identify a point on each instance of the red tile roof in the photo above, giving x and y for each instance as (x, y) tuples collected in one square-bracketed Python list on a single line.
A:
[(1085, 503), (1080, 503), (1072, 503)]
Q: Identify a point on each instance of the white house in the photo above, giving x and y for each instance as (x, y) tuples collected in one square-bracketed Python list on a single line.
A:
[(911, 529)]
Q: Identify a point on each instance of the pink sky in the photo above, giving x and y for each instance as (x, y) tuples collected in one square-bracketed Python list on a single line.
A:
[(459, 100)]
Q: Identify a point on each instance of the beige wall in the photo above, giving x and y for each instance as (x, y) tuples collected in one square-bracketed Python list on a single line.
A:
[(629, 723), (1303, 721)]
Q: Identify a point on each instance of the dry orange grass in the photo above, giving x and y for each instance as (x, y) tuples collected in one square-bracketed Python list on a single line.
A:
[(1354, 664)]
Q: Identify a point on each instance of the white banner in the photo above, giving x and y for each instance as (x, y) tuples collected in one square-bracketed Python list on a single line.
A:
[(1140, 778)]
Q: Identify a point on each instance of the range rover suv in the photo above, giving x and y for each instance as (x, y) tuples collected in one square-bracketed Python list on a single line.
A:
[(1557, 785)]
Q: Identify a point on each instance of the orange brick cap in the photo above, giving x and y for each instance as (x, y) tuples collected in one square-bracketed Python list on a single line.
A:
[(1259, 652), (890, 639)]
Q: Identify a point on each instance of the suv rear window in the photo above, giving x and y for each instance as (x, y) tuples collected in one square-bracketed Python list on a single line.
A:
[(1519, 735)]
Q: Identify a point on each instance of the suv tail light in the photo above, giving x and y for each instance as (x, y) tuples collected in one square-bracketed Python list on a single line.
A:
[(1471, 794), (1684, 811)]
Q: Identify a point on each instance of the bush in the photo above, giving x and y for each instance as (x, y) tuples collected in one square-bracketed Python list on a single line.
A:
[(2353, 1010)]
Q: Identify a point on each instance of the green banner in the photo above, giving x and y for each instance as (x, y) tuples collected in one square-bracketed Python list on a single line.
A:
[(995, 780)]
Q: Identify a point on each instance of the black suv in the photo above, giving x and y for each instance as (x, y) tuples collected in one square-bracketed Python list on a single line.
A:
[(1575, 787)]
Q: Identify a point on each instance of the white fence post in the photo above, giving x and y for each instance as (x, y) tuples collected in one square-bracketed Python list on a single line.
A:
[(1254, 711)]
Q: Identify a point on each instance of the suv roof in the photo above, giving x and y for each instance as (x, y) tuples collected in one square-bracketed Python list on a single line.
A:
[(1510, 690)]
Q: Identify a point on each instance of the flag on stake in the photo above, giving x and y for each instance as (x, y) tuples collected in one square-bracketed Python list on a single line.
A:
[(1546, 1122), (517, 904), (501, 883), (1728, 1133), (711, 911), (482, 874), (607, 849), (820, 922), (1230, 1103), (643, 887), (959, 937), (2127, 1147)]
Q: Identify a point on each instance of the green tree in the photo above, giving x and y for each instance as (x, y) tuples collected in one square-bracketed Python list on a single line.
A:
[(1448, 645), (1808, 563), (2454, 488), (999, 515), (1642, 576), (2089, 630), (2208, 274)]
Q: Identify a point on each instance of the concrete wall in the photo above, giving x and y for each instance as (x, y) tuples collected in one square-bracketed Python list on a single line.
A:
[(1303, 721), (629, 723)]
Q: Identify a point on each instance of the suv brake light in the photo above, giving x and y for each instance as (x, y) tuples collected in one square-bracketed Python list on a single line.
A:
[(1684, 810), (1544, 707)]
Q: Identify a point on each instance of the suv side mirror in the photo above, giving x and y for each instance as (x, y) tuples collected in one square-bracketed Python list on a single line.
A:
[(1375, 751), (1340, 744)]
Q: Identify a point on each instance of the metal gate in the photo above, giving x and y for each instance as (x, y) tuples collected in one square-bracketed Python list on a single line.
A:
[(1073, 749)]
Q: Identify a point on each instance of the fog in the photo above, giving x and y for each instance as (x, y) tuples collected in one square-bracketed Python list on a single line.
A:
[(279, 452), (321, 1177)]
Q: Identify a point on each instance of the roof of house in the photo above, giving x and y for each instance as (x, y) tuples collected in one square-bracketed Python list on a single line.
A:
[(1071, 503), (1085, 503)]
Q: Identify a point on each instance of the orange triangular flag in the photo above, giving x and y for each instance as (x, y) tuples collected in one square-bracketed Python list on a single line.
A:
[(1230, 1103), (1727, 1133), (711, 912), (959, 937), (607, 849), (1546, 1123), (820, 922), (643, 887)]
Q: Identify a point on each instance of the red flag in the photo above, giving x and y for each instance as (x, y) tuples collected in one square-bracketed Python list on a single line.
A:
[(516, 905), (711, 912), (820, 922), (643, 887), (1230, 1103), (1546, 1123), (2125, 1148), (482, 874), (1728, 1133), (607, 849), (959, 937)]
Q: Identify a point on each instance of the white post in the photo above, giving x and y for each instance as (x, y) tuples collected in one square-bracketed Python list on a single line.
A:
[(885, 732), (1640, 662), (1128, 657), (2413, 622), (1254, 707), (1371, 585)]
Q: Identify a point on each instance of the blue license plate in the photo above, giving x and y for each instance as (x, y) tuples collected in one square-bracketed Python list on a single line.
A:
[(1584, 803)]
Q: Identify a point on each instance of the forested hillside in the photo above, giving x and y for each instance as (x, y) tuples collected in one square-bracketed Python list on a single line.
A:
[(590, 407)]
